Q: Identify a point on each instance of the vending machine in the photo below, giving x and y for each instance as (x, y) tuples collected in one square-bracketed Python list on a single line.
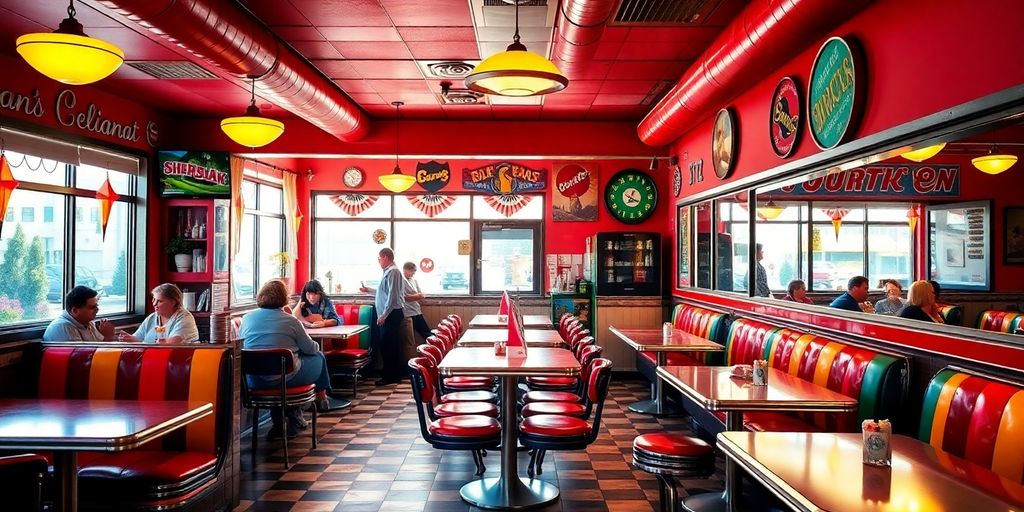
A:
[(628, 264)]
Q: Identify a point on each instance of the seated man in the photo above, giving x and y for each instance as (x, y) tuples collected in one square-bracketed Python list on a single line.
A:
[(76, 323), (855, 297)]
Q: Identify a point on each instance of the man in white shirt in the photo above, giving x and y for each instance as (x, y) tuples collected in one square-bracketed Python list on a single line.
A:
[(413, 297), (76, 323)]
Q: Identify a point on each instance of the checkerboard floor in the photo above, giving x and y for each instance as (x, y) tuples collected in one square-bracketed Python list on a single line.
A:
[(371, 458)]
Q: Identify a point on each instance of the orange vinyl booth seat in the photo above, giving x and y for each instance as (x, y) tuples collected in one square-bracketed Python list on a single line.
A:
[(180, 469), (705, 323), (975, 420), (1000, 321), (877, 380)]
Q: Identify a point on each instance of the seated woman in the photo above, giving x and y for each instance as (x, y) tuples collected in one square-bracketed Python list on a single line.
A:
[(169, 322), (921, 303), (314, 308), (270, 327), (893, 302), (797, 292)]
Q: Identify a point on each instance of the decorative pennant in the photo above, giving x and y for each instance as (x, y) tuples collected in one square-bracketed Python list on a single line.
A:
[(354, 204), (912, 216), (503, 306), (836, 214), (107, 197), (507, 204), (297, 219), (7, 186), (431, 204)]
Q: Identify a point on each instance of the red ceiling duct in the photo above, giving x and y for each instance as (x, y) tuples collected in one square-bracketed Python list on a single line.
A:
[(228, 36), (764, 36), (580, 25)]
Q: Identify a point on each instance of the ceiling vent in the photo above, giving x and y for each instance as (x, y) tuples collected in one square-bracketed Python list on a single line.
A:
[(172, 69), (657, 91), (664, 12), (449, 69), (522, 3)]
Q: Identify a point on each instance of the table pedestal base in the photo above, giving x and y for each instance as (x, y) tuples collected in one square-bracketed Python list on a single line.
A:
[(707, 502), (655, 408), (513, 494)]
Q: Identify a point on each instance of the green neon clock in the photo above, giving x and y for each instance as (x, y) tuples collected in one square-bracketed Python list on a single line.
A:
[(631, 196)]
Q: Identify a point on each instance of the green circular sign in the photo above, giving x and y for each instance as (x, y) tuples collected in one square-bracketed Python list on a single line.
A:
[(631, 196), (833, 94)]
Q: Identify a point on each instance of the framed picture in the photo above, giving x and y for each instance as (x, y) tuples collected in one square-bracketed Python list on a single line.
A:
[(723, 143), (959, 243), (1013, 239), (683, 250)]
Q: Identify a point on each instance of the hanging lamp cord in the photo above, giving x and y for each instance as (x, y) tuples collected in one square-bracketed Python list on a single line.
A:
[(71, 9), (397, 127), (515, 37)]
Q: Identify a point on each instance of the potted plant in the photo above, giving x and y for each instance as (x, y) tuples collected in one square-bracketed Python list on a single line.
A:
[(182, 251), (280, 260)]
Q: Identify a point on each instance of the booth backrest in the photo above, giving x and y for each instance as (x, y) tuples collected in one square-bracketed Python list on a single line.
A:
[(357, 314), (702, 322), (151, 372), (952, 314), (747, 340), (977, 418), (1000, 321)]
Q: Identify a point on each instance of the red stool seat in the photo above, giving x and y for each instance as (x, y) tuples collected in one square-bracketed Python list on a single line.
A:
[(469, 425), (469, 396), (460, 408), (554, 425), (347, 354), (550, 396), (468, 384), (674, 445), (551, 381), (561, 408), (295, 390), (476, 380)]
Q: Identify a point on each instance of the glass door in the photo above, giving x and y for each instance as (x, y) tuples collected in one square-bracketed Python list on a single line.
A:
[(508, 257)]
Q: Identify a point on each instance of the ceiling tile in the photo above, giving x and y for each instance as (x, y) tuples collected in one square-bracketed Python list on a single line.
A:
[(627, 86), (316, 49), (615, 112), (457, 50), (385, 50), (276, 12), (393, 86), (386, 69), (679, 35), (647, 70), (135, 45), (593, 70), (564, 112), (410, 98), (428, 13), (343, 13), (607, 50), (380, 111), (437, 34), (580, 87), (658, 51), (365, 98), (336, 68), (360, 33), (49, 13), (355, 86), (564, 98), (298, 33), (619, 99)]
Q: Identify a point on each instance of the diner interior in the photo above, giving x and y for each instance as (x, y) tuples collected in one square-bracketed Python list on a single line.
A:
[(744, 255)]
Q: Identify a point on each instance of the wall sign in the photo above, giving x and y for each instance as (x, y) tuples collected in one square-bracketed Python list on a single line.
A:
[(433, 175), (631, 196), (194, 173), (785, 118), (576, 197), (696, 171), (427, 265), (677, 181), (504, 178), (834, 93), (885, 180), (723, 144)]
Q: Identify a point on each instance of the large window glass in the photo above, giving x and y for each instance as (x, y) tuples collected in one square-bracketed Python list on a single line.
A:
[(44, 251), (733, 242), (261, 240)]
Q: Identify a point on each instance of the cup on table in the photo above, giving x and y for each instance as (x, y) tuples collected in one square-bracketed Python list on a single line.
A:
[(666, 329), (760, 374), (877, 442)]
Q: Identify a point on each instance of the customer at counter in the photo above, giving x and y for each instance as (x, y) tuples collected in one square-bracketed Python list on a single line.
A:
[(77, 322), (797, 292), (170, 322), (893, 302), (921, 303), (314, 308), (855, 297)]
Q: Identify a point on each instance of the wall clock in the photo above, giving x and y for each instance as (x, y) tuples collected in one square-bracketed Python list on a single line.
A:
[(353, 177), (631, 196)]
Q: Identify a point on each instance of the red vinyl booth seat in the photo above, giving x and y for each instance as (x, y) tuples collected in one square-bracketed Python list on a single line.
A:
[(1000, 321), (353, 314), (705, 323), (181, 468)]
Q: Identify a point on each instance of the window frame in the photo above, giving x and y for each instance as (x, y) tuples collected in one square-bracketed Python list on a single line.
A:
[(257, 213)]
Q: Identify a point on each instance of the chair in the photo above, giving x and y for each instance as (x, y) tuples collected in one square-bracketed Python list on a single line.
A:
[(273, 362), (472, 432), (578, 403), (457, 320), (584, 355), (21, 478), (458, 383), (668, 456), (545, 432)]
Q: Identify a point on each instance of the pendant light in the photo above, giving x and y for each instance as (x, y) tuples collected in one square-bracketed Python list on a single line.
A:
[(770, 211), (252, 129), (396, 181), (516, 71), (920, 155), (993, 162), (69, 56)]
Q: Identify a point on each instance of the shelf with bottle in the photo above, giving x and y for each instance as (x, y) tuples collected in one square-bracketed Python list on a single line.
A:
[(197, 252)]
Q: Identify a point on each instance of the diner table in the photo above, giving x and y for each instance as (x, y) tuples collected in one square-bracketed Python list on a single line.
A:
[(716, 389), (533, 337), (654, 340), (495, 322), (824, 471), (341, 332), (67, 427), (508, 490)]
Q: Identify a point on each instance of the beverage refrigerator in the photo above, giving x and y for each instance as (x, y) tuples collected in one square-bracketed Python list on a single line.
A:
[(627, 264)]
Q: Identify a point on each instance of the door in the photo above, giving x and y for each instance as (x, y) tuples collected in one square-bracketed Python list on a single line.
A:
[(508, 257)]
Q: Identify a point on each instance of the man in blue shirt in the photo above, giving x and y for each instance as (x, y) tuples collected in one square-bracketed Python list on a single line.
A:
[(77, 322), (855, 296), (389, 301)]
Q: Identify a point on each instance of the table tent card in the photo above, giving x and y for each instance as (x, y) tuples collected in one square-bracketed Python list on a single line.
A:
[(516, 345)]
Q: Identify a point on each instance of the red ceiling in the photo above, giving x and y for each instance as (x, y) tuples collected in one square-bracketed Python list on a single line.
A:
[(370, 49)]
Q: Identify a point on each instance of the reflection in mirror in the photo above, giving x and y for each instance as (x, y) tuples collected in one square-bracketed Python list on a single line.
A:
[(781, 231), (733, 242), (703, 214)]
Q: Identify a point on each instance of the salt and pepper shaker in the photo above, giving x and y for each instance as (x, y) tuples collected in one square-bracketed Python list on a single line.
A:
[(877, 442), (666, 329), (760, 374)]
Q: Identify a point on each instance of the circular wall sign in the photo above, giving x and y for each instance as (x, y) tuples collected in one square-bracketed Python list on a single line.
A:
[(723, 143), (785, 118), (631, 196), (572, 180), (427, 265), (379, 236), (353, 177), (677, 180), (834, 93)]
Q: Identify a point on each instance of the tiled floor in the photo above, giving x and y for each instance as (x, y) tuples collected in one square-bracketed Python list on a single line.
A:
[(372, 458)]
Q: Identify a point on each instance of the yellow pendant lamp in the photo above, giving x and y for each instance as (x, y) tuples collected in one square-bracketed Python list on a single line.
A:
[(920, 155), (516, 71), (396, 181), (993, 162), (252, 129), (69, 56), (770, 211)]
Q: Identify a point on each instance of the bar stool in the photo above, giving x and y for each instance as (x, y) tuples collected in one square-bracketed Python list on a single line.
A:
[(669, 456)]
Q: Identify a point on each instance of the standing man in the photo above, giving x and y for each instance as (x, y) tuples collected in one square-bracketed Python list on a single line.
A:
[(389, 300), (856, 296), (413, 297), (761, 288), (76, 323)]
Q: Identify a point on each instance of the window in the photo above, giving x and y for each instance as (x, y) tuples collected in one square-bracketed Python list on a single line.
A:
[(42, 261), (349, 229), (262, 236)]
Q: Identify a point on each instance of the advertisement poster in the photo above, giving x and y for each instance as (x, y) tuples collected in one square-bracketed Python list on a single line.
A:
[(575, 195), (194, 173), (959, 241)]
